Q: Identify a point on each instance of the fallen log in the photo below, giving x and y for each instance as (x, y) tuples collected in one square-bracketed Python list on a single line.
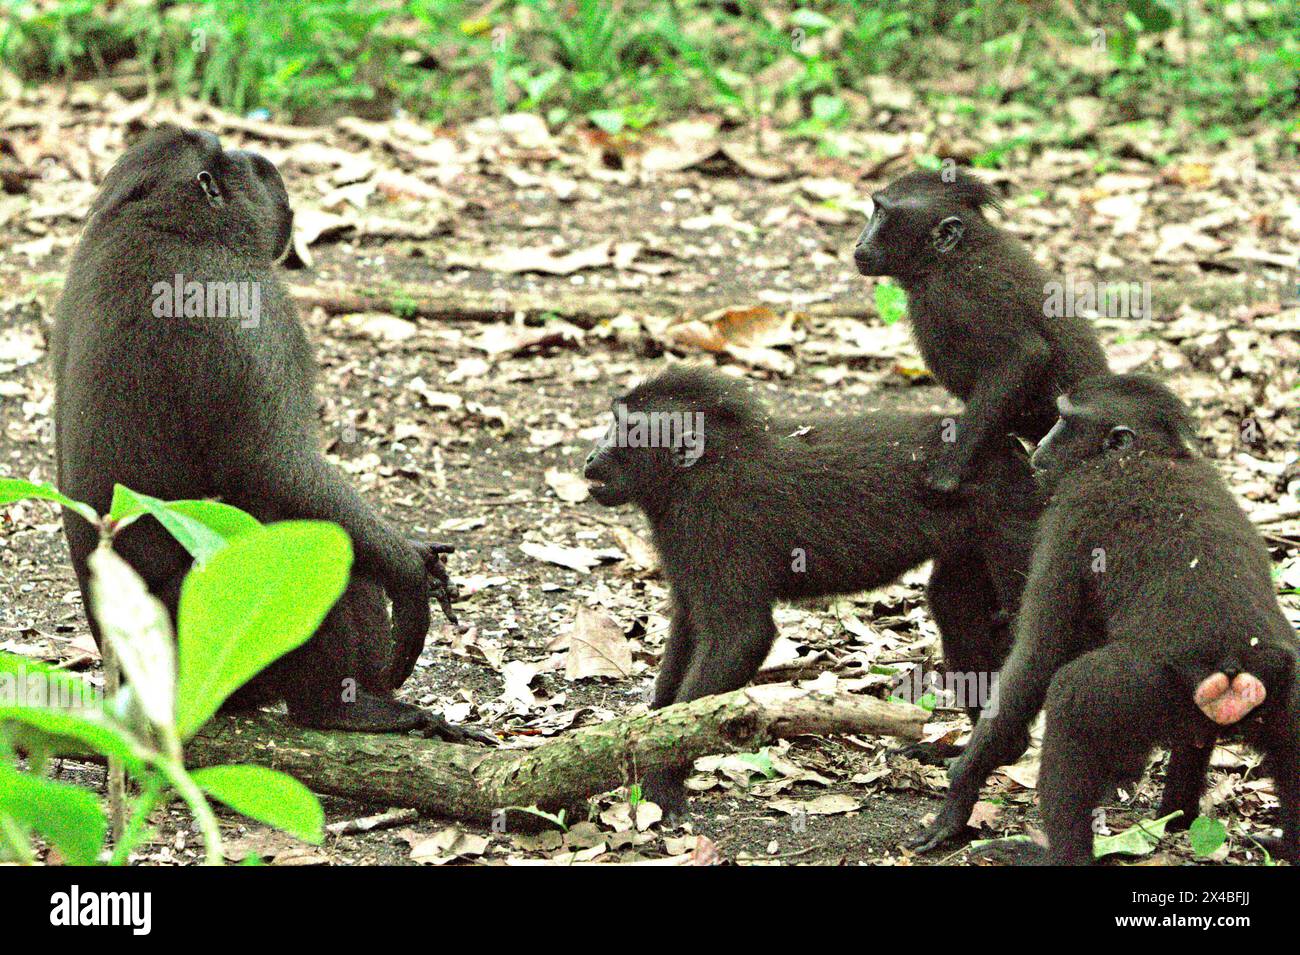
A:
[(475, 783), (585, 309)]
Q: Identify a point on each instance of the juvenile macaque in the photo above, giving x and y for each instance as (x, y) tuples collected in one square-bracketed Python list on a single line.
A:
[(1176, 641), (747, 508), (975, 298)]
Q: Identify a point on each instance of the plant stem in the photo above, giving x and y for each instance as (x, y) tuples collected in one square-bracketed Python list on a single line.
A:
[(144, 806), (188, 790)]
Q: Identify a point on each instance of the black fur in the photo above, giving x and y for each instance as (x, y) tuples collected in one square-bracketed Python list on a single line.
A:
[(841, 491), (1115, 650), (219, 407), (975, 298)]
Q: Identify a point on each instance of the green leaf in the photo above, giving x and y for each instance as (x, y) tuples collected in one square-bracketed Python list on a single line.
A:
[(891, 302), (47, 709), (225, 519), (69, 734), (976, 844), (760, 761), (68, 816), (195, 536), (261, 596), (268, 796), (14, 489), (1206, 835), (26, 682), (1153, 15), (1137, 840)]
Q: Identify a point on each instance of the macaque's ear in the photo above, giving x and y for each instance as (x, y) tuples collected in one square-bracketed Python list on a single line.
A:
[(210, 188), (947, 234), (1120, 437)]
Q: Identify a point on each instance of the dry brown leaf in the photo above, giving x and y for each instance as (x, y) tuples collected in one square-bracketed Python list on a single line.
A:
[(447, 845), (1024, 773), (581, 559), (829, 804), (757, 327), (984, 813), (752, 164), (1192, 175), (597, 647), (517, 676), (502, 339), (680, 145), (567, 486), (639, 551), (748, 334), (379, 326)]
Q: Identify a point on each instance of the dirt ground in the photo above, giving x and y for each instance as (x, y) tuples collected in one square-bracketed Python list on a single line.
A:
[(473, 430)]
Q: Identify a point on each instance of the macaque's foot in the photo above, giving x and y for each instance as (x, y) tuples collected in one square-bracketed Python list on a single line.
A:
[(371, 713), (931, 754), (948, 824), (435, 727), (1016, 850), (667, 790)]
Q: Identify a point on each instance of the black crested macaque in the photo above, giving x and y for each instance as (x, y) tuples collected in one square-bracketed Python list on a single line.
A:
[(212, 397), (747, 508), (1150, 618), (977, 303)]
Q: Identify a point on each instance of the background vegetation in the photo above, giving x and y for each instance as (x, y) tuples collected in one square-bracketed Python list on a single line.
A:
[(1207, 65)]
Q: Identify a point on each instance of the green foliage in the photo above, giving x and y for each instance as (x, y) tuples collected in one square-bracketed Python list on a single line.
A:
[(266, 794), (1207, 835), (68, 816), (201, 527), (255, 593), (620, 64), (891, 301), (15, 489), (1137, 840), (251, 604), (760, 761), (286, 55)]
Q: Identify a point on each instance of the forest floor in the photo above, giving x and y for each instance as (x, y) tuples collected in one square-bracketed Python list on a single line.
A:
[(580, 264)]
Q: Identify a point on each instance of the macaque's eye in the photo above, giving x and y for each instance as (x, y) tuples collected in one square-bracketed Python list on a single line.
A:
[(1119, 438)]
